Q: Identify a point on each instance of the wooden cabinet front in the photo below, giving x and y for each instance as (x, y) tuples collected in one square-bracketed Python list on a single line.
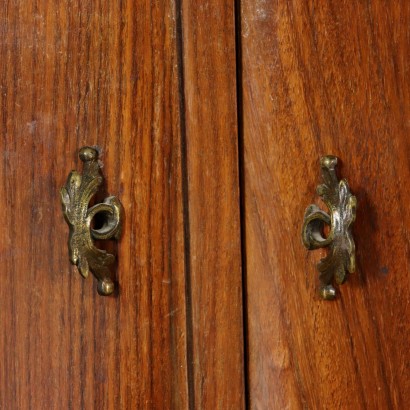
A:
[(211, 118), (133, 78), (325, 78)]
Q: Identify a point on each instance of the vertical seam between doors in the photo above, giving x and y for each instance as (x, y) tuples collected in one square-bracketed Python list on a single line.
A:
[(241, 176), (185, 195)]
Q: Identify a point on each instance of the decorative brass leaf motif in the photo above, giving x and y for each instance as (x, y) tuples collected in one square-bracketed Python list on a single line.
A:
[(75, 197), (342, 207)]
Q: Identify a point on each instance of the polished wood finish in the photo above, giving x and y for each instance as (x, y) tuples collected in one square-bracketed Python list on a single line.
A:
[(213, 192), (154, 85), (112, 74), (105, 74), (326, 78)]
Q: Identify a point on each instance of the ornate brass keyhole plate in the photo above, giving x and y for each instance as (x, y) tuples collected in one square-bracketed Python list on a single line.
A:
[(342, 208), (75, 198)]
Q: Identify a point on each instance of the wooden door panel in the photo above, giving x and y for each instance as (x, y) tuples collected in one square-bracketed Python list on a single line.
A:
[(112, 74), (326, 78), (214, 211), (94, 73)]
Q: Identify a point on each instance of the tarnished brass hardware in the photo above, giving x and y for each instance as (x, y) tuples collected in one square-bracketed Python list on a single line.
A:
[(342, 207), (75, 197)]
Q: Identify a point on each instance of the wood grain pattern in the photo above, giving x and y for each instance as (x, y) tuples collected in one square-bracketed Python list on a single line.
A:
[(152, 84), (209, 59), (326, 78), (97, 73)]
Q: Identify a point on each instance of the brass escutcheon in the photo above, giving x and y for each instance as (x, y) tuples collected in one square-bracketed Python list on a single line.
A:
[(342, 208), (75, 198)]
